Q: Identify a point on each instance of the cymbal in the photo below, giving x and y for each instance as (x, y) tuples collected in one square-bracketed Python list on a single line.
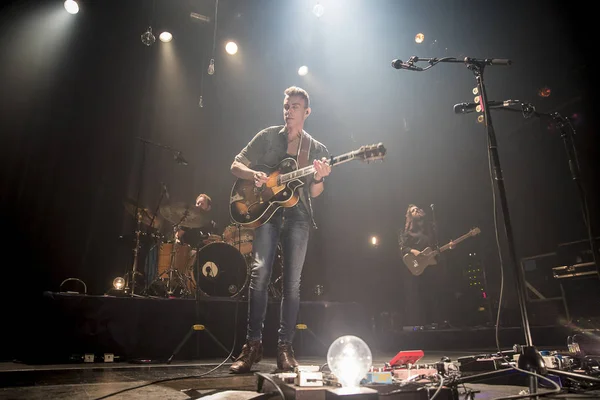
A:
[(145, 214), (185, 215)]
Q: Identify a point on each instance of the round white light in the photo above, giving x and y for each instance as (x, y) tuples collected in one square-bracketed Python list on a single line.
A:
[(231, 48), (318, 10), (374, 240), (118, 283), (165, 37), (303, 70), (71, 6), (349, 358)]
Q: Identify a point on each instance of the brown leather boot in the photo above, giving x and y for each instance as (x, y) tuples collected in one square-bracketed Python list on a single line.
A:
[(252, 353), (285, 357)]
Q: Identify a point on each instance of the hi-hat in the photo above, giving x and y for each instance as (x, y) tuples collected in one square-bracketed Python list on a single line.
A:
[(185, 215)]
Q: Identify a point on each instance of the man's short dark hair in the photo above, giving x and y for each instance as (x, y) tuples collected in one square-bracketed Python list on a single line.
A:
[(296, 91)]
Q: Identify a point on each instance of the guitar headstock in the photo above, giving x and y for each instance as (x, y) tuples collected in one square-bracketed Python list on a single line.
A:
[(371, 152), (475, 231)]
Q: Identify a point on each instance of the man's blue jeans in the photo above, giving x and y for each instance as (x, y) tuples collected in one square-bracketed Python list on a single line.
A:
[(292, 225)]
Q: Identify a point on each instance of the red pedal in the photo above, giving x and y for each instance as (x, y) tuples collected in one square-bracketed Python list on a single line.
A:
[(406, 357)]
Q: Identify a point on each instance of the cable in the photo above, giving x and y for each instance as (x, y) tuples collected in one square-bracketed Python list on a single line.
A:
[(272, 381), (439, 387), (215, 29), (185, 377)]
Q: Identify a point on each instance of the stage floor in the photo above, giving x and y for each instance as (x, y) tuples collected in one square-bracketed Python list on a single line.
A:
[(135, 329), (179, 380)]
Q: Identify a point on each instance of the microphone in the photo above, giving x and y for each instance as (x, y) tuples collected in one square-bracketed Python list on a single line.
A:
[(465, 108), (399, 64), (180, 160), (164, 187)]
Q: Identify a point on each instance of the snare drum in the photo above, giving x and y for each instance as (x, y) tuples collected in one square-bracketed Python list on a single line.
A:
[(239, 237), (212, 239)]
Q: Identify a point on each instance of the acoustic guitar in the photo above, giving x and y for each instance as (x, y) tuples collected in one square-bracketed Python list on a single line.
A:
[(417, 264), (253, 206)]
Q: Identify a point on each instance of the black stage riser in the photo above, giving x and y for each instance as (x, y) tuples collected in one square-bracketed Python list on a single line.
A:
[(147, 328)]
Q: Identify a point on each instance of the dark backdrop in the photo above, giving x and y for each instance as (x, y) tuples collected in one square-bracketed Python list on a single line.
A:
[(78, 90)]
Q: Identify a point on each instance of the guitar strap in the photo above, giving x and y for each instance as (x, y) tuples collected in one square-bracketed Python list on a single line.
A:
[(303, 150)]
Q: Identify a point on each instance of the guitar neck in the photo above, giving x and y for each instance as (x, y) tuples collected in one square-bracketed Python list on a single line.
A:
[(299, 173), (455, 241)]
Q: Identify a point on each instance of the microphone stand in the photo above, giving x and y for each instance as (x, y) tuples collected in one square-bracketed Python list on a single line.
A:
[(436, 243), (435, 230), (157, 235), (530, 359), (567, 133), (177, 154)]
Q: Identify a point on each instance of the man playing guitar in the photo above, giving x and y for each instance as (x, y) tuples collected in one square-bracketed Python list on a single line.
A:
[(291, 225)]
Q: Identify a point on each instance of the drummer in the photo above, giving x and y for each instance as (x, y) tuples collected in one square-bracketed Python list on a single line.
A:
[(195, 236)]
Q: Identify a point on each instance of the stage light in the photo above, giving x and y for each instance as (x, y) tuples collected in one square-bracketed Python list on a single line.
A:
[(544, 92), (165, 37), (349, 358), (147, 37), (419, 38), (374, 241), (303, 70), (318, 10), (71, 6), (118, 283), (211, 67), (319, 290), (231, 48)]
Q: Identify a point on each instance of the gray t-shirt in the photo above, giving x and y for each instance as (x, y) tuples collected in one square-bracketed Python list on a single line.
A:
[(269, 147)]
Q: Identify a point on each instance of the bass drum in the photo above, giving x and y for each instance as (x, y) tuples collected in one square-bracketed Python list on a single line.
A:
[(220, 270)]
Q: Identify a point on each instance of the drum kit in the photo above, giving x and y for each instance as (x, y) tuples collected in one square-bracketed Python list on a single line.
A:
[(200, 263)]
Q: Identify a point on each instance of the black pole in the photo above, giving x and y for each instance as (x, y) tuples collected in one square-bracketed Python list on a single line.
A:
[(477, 69), (137, 217)]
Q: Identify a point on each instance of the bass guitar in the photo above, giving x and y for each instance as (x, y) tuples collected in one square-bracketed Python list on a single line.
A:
[(417, 264), (252, 206)]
